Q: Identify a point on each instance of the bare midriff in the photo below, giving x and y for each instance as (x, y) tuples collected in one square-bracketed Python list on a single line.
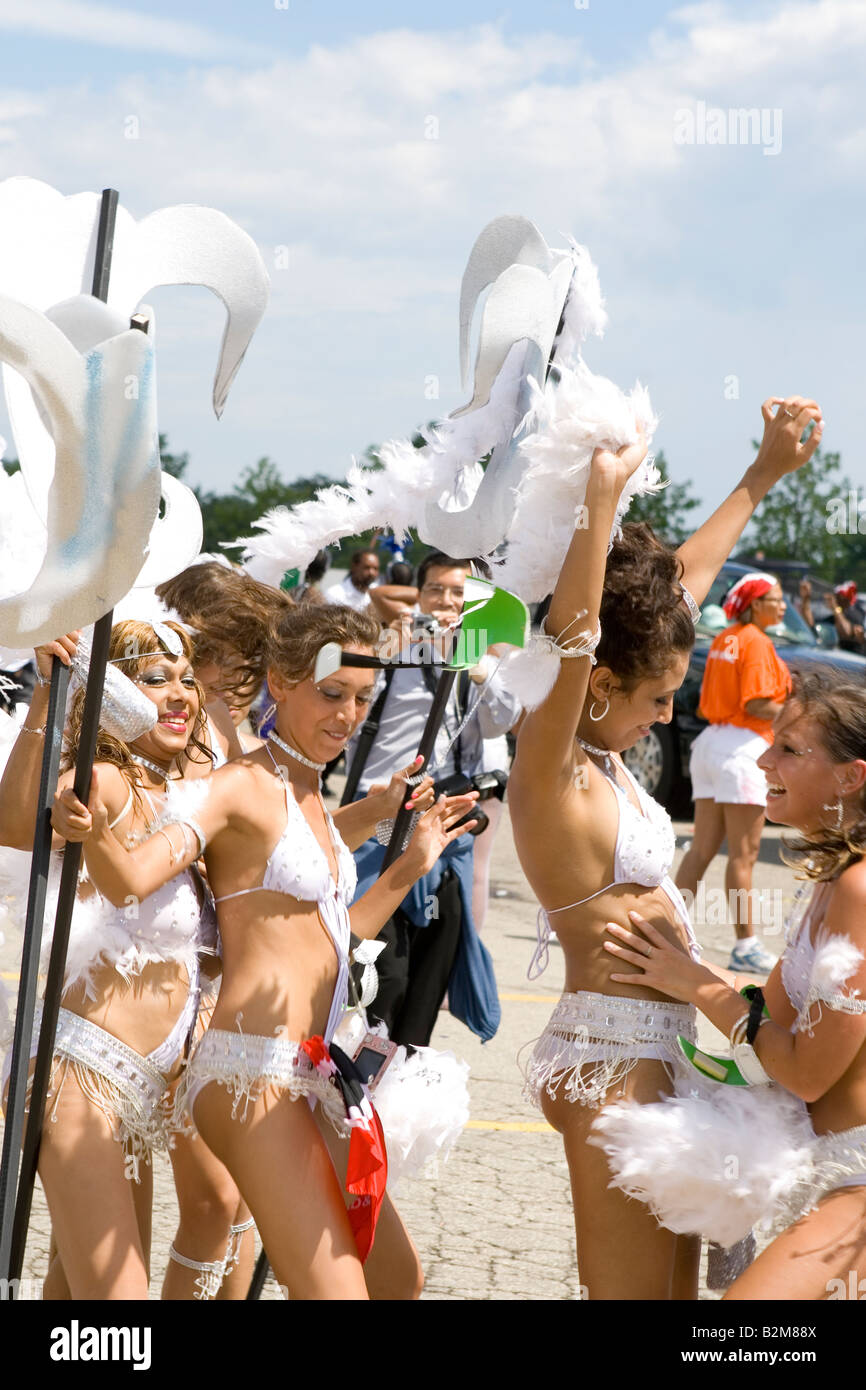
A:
[(582, 932), (279, 967)]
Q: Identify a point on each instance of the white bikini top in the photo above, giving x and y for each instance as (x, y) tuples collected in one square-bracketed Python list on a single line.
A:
[(644, 853), (173, 924), (298, 867)]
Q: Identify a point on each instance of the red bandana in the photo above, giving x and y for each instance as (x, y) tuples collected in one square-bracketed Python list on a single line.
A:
[(745, 591), (847, 592)]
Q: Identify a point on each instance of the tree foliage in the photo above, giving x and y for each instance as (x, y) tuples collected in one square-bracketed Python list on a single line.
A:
[(666, 511), (814, 515)]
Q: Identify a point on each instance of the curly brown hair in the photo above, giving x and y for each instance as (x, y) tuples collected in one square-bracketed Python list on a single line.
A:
[(643, 618), (297, 637), (838, 706), (128, 637), (232, 615)]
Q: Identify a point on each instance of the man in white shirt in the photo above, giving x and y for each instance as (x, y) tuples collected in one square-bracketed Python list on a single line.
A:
[(353, 591), (428, 953)]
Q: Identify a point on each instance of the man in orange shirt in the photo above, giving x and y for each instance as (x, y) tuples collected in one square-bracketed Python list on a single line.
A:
[(745, 684)]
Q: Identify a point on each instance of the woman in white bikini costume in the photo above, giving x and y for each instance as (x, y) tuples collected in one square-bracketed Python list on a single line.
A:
[(282, 878), (812, 1039), (593, 845), (132, 982)]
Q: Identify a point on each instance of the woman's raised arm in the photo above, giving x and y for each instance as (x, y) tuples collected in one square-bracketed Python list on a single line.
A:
[(546, 740), (781, 452), (120, 874)]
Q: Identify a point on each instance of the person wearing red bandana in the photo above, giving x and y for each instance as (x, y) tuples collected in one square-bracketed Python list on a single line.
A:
[(744, 687)]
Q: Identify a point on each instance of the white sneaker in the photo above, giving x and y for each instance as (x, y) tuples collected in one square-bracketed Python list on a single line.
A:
[(751, 959)]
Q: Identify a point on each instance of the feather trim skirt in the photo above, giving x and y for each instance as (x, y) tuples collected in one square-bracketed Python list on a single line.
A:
[(593, 1042)]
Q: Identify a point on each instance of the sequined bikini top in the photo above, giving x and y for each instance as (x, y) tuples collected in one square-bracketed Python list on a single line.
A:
[(644, 853), (297, 865)]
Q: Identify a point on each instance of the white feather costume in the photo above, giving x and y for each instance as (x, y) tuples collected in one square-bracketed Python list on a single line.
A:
[(539, 441), (717, 1160)]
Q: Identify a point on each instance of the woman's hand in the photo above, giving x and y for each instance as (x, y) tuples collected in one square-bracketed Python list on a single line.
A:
[(781, 451), (617, 468), (74, 821), (64, 648), (662, 966), (421, 798), (435, 831)]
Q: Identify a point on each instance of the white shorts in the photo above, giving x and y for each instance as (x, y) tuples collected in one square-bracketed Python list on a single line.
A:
[(724, 766)]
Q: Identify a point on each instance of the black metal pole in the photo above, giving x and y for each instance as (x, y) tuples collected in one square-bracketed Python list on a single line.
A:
[(20, 1057), (59, 946), (15, 1240), (260, 1274), (425, 749)]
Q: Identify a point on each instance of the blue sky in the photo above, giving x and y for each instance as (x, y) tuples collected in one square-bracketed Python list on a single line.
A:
[(730, 274)]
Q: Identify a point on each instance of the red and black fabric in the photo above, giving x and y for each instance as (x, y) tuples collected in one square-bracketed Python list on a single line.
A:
[(367, 1173)]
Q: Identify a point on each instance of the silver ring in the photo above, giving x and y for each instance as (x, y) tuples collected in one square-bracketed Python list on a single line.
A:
[(789, 413)]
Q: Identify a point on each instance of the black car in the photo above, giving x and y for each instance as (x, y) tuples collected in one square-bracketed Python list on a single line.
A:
[(660, 761)]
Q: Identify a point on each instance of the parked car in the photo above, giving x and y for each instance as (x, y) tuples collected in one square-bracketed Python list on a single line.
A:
[(660, 762)]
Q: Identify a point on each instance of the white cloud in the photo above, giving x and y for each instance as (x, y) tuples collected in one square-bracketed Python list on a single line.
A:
[(327, 153), (111, 26)]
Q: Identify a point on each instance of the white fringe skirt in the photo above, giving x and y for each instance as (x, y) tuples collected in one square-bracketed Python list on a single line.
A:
[(120, 1082), (593, 1042), (247, 1065)]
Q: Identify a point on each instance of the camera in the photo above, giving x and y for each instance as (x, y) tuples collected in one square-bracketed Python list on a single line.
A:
[(424, 625), (486, 784)]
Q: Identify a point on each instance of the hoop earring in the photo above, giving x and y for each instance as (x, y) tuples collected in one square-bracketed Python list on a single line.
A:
[(839, 810), (596, 718)]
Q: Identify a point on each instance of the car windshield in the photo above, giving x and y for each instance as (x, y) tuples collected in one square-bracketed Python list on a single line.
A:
[(791, 630)]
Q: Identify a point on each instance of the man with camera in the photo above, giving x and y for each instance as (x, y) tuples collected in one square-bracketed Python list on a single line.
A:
[(432, 945)]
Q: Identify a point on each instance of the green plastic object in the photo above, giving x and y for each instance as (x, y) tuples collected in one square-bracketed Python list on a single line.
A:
[(490, 615), (721, 1069)]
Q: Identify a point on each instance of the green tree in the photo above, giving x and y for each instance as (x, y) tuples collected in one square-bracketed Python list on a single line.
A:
[(666, 511), (809, 515)]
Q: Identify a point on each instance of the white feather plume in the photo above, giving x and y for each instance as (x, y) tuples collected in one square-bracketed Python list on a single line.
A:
[(836, 960), (576, 415), (714, 1164), (530, 673)]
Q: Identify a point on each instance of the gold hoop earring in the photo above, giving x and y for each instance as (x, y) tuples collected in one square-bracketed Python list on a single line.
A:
[(596, 718)]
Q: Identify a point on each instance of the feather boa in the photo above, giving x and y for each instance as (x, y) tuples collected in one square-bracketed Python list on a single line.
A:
[(718, 1160), (422, 1101)]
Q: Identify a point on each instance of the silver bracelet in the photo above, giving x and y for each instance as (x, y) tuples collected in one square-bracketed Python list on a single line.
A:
[(385, 829), (40, 679), (24, 730)]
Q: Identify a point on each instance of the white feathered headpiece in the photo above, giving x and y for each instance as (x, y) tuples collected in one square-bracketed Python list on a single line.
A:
[(537, 429)]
